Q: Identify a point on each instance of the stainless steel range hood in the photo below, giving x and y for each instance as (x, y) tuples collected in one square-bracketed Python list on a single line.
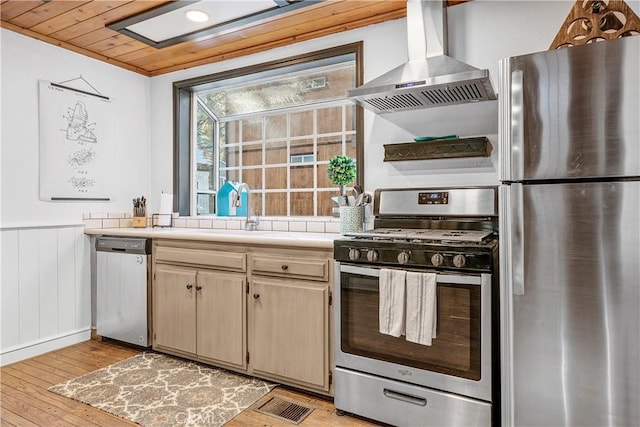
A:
[(430, 78)]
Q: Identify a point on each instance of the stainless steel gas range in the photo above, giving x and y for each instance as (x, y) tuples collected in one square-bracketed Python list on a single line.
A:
[(429, 269)]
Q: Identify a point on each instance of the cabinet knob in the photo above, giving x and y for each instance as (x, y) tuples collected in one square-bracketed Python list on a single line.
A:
[(189, 286), (198, 288), (285, 267), (256, 296)]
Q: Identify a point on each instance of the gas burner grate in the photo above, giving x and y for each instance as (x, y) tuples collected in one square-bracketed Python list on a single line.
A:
[(423, 235)]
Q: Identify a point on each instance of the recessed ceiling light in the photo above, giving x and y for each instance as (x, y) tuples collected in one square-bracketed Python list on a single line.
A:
[(196, 15)]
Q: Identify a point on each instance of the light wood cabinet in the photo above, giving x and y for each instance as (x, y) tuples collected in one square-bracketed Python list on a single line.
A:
[(174, 302), (290, 317), (289, 266), (201, 255), (290, 331), (262, 310), (221, 314), (200, 313)]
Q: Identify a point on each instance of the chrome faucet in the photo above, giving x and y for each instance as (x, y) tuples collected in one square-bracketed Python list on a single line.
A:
[(250, 224)]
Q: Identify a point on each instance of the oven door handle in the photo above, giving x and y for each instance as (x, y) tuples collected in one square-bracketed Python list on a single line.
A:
[(453, 279)]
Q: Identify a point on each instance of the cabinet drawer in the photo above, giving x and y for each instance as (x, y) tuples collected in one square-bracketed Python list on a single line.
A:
[(235, 261), (316, 269)]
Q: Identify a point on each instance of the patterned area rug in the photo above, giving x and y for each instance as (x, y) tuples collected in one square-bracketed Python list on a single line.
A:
[(156, 390)]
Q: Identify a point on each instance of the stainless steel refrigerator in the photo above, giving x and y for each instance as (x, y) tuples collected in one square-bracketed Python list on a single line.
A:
[(570, 236)]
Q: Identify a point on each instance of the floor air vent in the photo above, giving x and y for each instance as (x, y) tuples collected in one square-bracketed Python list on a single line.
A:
[(285, 410)]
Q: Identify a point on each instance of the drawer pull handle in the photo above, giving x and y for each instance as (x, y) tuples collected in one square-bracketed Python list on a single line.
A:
[(256, 296), (189, 286), (415, 400), (285, 267), (198, 288)]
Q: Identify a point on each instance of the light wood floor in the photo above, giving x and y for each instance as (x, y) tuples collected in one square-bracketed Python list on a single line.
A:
[(25, 400)]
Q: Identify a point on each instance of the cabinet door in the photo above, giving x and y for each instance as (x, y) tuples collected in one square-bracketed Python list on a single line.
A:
[(221, 302), (290, 325), (174, 309)]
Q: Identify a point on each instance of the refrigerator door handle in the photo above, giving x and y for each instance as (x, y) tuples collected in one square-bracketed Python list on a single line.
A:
[(511, 122), (504, 120), (506, 313), (511, 278), (516, 130), (516, 239)]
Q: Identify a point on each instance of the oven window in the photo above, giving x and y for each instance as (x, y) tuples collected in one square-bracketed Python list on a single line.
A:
[(455, 351)]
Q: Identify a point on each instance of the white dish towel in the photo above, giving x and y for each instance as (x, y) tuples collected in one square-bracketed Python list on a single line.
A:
[(422, 313), (392, 302)]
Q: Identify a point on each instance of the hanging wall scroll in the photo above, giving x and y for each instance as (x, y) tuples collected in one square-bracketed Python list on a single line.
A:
[(77, 144)]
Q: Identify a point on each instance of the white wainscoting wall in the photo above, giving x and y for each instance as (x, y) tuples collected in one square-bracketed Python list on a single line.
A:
[(46, 289)]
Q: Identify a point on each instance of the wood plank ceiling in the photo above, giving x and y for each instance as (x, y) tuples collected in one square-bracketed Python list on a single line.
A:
[(80, 26)]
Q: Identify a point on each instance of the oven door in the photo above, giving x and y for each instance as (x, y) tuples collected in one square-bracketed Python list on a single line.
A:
[(459, 359)]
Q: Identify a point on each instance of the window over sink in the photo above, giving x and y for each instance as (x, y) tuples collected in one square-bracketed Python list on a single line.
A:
[(273, 126)]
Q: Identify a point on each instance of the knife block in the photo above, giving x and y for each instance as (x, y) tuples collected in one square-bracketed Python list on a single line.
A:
[(139, 221)]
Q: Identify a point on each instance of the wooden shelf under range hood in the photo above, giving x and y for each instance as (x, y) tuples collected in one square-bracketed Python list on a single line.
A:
[(438, 149)]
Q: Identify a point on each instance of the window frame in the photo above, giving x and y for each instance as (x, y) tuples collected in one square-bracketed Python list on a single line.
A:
[(196, 104), (183, 128)]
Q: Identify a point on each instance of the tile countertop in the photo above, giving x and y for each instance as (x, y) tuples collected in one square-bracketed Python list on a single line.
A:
[(278, 238)]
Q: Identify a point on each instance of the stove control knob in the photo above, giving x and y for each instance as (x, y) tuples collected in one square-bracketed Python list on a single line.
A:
[(354, 254), (459, 261), (372, 255), (437, 260), (403, 257)]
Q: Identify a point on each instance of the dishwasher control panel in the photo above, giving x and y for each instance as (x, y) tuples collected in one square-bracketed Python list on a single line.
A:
[(131, 245)]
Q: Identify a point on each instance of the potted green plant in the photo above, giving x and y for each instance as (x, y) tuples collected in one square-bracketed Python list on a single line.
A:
[(341, 171)]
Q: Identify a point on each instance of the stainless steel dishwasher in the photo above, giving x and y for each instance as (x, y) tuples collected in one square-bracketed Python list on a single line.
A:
[(123, 289)]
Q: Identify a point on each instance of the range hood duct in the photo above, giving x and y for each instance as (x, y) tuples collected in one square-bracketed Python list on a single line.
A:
[(430, 78)]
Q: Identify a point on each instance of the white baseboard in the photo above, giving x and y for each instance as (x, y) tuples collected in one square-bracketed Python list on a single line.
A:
[(36, 348)]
